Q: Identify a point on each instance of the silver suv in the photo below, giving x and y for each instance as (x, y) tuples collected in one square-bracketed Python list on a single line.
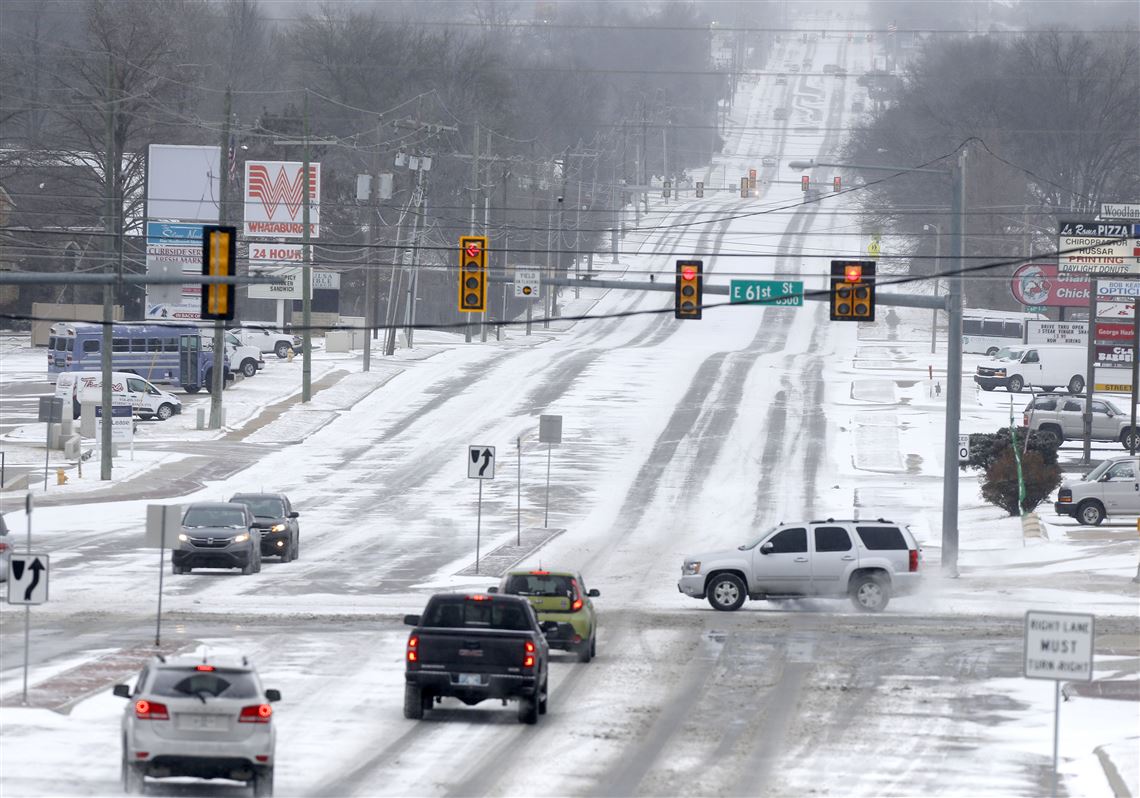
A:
[(1112, 488), (198, 716), (867, 561), (218, 535), (1060, 415)]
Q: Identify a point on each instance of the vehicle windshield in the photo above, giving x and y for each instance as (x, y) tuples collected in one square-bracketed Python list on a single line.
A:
[(463, 613), (541, 585), (755, 541), (179, 683), (1008, 353), (263, 506), (214, 516), (1093, 475)]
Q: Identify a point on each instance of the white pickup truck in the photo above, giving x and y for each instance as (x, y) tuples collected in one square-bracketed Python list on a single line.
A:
[(865, 560), (266, 339), (243, 357)]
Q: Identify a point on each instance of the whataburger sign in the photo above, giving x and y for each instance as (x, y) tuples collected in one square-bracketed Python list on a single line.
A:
[(274, 199)]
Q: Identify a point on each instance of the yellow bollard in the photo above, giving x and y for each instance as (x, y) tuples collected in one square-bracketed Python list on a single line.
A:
[(291, 354), (60, 477)]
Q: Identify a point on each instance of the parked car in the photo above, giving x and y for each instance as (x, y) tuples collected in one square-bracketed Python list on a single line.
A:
[(199, 716), (274, 515), (243, 357), (1047, 366), (266, 339), (218, 535), (1061, 415), (867, 561), (563, 604), (147, 401), (476, 647), (1111, 488)]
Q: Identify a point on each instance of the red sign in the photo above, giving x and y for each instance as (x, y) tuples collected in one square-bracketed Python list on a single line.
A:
[(1113, 332), (1040, 284)]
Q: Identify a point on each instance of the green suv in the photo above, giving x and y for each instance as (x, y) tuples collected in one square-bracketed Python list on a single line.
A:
[(563, 604)]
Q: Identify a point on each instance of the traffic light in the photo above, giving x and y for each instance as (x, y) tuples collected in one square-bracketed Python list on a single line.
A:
[(700, 189), (853, 290), (688, 292), (219, 248), (472, 274), (752, 179), (836, 183), (804, 183)]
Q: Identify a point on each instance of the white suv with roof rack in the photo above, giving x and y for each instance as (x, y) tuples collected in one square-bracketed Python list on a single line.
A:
[(866, 560), (199, 716)]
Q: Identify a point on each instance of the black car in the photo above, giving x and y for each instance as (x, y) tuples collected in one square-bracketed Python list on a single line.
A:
[(274, 515)]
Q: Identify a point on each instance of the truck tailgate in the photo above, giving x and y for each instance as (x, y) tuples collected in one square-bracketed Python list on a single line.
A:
[(472, 650)]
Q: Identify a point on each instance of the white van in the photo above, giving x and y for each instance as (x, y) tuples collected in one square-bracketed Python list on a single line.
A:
[(147, 400), (1048, 367)]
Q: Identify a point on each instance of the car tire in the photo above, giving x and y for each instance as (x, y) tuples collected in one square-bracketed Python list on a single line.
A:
[(257, 563), (528, 710), (1090, 513), (1126, 440), (1076, 384), (191, 388), (165, 411), (594, 646), (263, 782), (585, 651), (295, 549), (726, 592), (870, 593), (247, 569), (1014, 384), (987, 387), (249, 367), (413, 702), (133, 781), (993, 350), (544, 698), (282, 350), (1051, 436), (145, 416)]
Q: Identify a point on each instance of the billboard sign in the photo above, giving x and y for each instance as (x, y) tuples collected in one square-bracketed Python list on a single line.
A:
[(1056, 332), (1040, 285), (1120, 210), (1097, 248), (182, 182), (1107, 331), (274, 198), (1113, 356), (172, 249)]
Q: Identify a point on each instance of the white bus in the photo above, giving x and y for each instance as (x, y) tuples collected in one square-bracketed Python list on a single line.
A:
[(984, 332)]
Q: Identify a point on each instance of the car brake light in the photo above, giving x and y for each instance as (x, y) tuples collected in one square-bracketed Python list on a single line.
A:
[(256, 713), (204, 668), (577, 605), (3, 546), (528, 657), (413, 648), (914, 559), (478, 597), (150, 710), (1025, 419), (541, 573)]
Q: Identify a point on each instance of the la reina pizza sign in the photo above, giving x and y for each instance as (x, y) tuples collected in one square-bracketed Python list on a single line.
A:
[(274, 199)]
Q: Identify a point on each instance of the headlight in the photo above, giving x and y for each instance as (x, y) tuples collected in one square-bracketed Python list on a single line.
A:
[(691, 569), (242, 538), (277, 528), (184, 538), (999, 372)]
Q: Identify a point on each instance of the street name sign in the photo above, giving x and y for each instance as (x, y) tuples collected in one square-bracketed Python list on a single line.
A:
[(767, 292), (1120, 210), (1059, 646), (28, 579)]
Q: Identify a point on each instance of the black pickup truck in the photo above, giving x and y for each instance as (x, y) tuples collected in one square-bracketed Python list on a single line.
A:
[(475, 647)]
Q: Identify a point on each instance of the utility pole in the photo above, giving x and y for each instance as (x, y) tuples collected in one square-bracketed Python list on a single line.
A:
[(110, 173), (954, 373), (474, 200), (372, 209), (306, 271), (219, 371)]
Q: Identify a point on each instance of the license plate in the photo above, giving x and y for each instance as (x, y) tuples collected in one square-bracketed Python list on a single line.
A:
[(202, 722), (471, 679)]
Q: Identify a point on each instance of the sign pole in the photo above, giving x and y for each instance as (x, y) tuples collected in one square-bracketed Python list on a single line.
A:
[(28, 607), (161, 569), (478, 526), (47, 451), (1056, 729), (518, 496), (546, 515)]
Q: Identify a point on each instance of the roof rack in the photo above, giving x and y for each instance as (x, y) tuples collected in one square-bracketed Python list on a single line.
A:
[(851, 521)]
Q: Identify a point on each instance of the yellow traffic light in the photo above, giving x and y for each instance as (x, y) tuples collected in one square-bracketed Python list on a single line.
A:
[(852, 290), (219, 247), (472, 274), (688, 291)]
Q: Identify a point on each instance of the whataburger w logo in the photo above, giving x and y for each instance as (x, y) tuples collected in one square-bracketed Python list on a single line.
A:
[(275, 198), (280, 189)]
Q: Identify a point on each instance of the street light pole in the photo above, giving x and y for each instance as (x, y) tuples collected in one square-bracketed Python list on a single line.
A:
[(953, 349)]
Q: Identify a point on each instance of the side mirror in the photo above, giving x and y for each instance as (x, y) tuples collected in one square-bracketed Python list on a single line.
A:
[(411, 620), (492, 590), (294, 514), (122, 690), (272, 695), (593, 593), (767, 548)]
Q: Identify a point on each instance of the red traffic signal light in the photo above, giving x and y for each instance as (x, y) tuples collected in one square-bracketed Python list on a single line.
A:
[(688, 291), (852, 290), (472, 274), (836, 183), (219, 249), (804, 183)]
